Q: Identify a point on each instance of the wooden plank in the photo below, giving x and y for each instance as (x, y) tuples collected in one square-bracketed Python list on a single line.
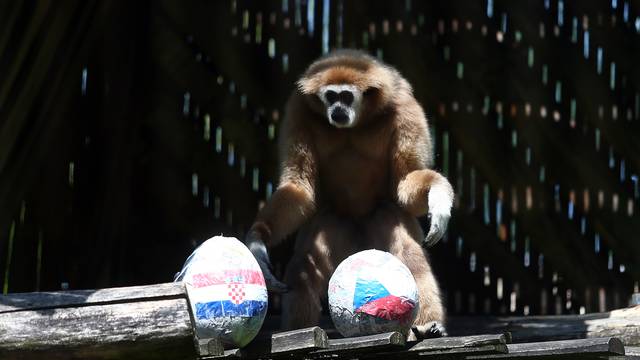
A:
[(362, 344), (449, 346), (390, 339), (210, 347), (632, 350), (282, 344), (42, 300), (158, 329), (297, 340), (459, 352), (581, 347), (481, 350), (459, 346), (621, 323), (447, 343)]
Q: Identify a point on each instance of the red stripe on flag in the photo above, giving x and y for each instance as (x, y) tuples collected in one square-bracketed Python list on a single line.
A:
[(244, 276), (389, 307)]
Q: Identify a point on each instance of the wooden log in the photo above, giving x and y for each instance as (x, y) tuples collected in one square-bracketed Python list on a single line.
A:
[(621, 323), (582, 348), (145, 322)]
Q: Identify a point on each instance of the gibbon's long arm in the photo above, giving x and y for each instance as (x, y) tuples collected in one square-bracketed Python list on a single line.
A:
[(420, 190), (293, 201)]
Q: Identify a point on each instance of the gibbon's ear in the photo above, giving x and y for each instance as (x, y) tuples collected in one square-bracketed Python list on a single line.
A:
[(308, 85)]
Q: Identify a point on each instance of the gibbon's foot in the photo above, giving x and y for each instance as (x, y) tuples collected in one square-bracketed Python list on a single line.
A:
[(259, 251), (440, 203), (431, 329)]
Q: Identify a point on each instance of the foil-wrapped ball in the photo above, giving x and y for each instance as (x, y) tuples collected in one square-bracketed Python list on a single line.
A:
[(227, 291), (372, 292)]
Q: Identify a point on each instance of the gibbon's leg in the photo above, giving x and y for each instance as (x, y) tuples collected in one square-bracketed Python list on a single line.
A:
[(320, 246), (392, 229)]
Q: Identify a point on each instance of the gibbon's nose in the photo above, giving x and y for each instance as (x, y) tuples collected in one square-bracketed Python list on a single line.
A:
[(339, 116), (345, 97)]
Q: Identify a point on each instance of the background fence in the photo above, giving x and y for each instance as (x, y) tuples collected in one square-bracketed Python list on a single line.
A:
[(132, 131)]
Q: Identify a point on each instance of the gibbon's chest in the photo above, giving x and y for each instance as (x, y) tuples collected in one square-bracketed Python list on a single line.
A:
[(353, 167)]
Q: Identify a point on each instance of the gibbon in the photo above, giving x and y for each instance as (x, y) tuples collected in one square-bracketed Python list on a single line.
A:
[(355, 157)]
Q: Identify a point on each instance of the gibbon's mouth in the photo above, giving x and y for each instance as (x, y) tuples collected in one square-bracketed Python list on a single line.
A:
[(341, 116)]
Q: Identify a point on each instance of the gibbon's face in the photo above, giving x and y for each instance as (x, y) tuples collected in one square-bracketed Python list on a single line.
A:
[(342, 103), (348, 89)]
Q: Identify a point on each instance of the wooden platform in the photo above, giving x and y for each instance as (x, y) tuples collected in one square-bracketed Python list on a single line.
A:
[(312, 343), (154, 322)]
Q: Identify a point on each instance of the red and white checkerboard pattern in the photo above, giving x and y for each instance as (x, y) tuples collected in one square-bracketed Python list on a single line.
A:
[(236, 293)]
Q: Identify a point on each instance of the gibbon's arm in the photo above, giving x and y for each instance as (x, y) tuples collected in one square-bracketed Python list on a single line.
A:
[(293, 201), (419, 189)]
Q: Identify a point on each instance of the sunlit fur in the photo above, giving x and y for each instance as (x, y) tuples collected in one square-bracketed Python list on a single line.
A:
[(346, 189)]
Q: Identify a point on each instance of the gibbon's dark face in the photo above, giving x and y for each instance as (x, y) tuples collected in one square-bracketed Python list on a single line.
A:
[(342, 103)]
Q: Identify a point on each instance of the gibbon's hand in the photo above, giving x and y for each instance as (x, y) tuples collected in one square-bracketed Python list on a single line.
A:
[(259, 251), (440, 202)]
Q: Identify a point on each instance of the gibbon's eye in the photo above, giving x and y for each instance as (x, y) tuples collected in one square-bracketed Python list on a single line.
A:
[(346, 97), (370, 91), (331, 96)]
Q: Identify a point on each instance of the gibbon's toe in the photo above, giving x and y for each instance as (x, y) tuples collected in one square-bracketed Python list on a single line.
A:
[(433, 329)]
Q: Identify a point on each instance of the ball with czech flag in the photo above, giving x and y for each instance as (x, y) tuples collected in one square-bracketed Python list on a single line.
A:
[(226, 289), (372, 292)]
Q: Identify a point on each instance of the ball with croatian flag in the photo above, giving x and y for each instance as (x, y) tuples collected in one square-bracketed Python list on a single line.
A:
[(372, 292), (226, 289)]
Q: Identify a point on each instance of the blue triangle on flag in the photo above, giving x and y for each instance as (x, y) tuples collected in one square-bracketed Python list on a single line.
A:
[(368, 290)]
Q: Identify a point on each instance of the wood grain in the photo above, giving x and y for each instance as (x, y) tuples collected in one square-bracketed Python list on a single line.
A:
[(583, 348), (282, 344), (41, 300), (621, 323), (447, 343), (151, 329)]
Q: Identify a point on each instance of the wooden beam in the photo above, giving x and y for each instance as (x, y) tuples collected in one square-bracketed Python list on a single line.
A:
[(292, 341), (448, 347), (621, 323), (150, 322), (281, 344), (469, 345), (584, 348), (53, 299), (370, 342), (363, 344), (459, 342), (159, 329), (632, 351)]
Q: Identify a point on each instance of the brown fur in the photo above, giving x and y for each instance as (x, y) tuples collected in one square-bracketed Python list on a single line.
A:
[(350, 189)]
